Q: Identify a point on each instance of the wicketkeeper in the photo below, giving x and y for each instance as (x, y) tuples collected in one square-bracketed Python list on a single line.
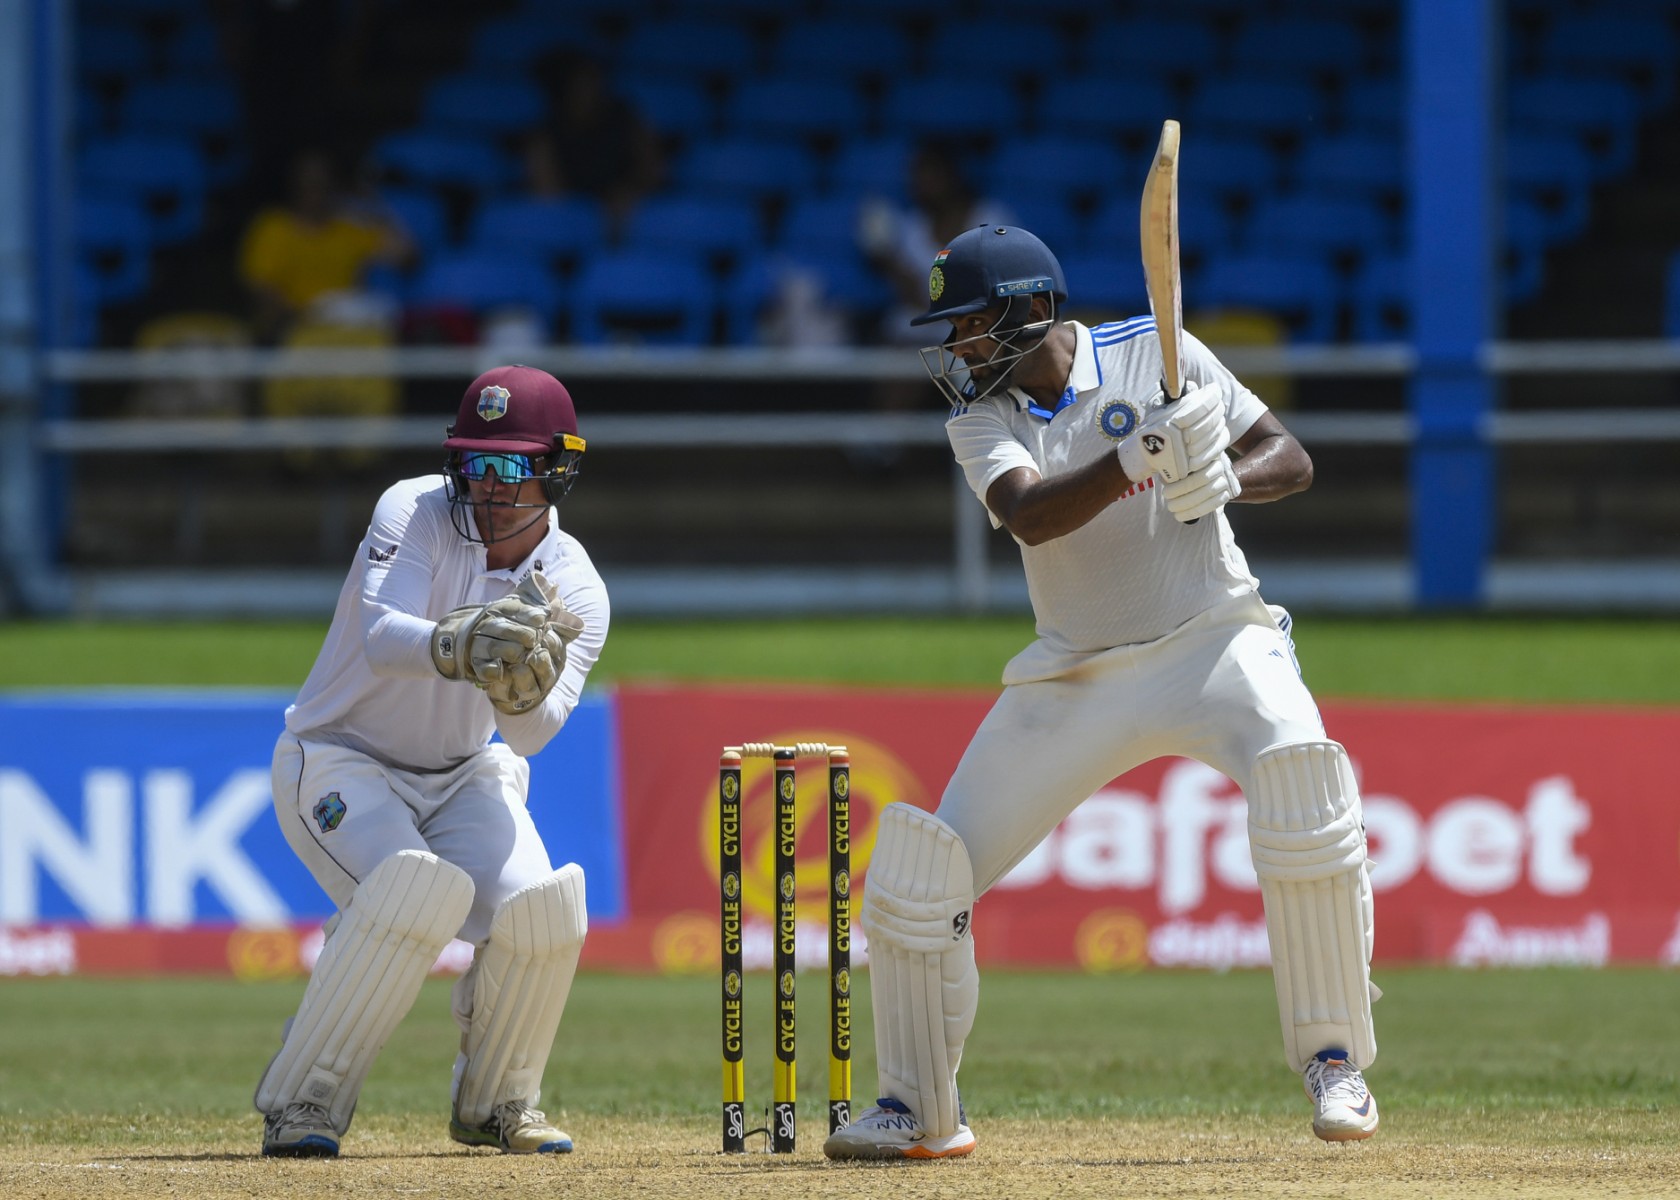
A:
[(468, 612)]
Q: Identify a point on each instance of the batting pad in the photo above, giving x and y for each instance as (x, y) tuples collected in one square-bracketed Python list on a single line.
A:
[(917, 908), (1308, 842), (370, 971), (517, 989)]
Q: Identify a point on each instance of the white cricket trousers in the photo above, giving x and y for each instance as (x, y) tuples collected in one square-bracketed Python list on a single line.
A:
[(343, 813), (1220, 688)]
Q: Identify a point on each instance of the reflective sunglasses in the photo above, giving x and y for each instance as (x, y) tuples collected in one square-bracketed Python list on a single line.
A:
[(509, 468)]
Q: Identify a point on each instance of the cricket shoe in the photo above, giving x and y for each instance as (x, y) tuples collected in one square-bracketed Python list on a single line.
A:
[(887, 1129), (1343, 1108), (299, 1131), (513, 1128)]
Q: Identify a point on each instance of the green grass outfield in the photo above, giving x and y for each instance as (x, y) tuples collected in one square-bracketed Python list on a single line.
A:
[(1530, 1083), (1594, 661), (1527, 1084)]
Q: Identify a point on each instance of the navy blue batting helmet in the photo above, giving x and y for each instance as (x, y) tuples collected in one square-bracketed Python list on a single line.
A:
[(986, 264)]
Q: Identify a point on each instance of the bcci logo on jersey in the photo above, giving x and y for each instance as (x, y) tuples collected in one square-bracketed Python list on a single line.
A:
[(1116, 419), (493, 402)]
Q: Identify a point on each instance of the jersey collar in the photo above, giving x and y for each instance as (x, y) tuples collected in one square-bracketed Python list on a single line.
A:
[(1085, 374)]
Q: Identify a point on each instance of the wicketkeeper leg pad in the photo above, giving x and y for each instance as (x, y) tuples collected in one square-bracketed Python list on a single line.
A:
[(398, 920), (917, 910), (1307, 837), (511, 1002)]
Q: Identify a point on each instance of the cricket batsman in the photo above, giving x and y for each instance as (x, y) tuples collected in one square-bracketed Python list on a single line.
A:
[(1152, 640)]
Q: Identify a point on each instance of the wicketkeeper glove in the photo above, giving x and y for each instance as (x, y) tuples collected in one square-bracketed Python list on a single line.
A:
[(519, 685), (1177, 439)]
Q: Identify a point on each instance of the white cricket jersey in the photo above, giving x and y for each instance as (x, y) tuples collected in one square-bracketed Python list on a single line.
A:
[(373, 687), (1133, 573)]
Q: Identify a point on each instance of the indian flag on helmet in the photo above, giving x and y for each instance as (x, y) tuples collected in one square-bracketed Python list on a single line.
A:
[(936, 277)]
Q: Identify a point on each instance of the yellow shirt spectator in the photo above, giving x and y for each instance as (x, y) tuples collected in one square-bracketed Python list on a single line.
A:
[(300, 261)]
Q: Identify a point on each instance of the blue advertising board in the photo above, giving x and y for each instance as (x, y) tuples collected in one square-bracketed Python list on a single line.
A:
[(154, 807)]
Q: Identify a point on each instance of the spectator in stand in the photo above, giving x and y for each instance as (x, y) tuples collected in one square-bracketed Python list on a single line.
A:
[(595, 142), (301, 255), (899, 242)]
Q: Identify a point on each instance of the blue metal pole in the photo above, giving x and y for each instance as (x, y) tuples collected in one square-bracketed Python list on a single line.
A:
[(1453, 67)]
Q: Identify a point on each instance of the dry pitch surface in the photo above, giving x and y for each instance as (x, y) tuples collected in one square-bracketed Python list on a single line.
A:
[(1612, 1154)]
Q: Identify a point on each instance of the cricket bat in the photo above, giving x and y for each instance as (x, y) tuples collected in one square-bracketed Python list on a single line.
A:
[(1158, 232)]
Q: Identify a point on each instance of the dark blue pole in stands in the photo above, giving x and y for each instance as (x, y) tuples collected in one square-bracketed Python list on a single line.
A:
[(1453, 66)]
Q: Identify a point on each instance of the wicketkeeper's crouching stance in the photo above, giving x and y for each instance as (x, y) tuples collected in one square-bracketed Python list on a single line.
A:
[(1153, 640), (389, 788)]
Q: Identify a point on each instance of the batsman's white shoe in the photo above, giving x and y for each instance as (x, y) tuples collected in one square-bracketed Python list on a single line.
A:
[(513, 1128), (299, 1131), (887, 1129), (1343, 1108)]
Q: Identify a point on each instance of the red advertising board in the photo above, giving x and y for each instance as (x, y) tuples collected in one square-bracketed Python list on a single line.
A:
[(1498, 835)]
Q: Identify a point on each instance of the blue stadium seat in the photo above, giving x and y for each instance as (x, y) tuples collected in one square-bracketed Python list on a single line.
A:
[(999, 47), (1071, 168), (113, 248), (111, 52), (1374, 105), (206, 109), (141, 10), (841, 48), (827, 223), (877, 165), (1528, 233), (1049, 215), (1204, 226), (1311, 44), (1342, 228), (743, 166), (1227, 168), (794, 106), (672, 106), (167, 174), (749, 290), (561, 232), (422, 214), (181, 104), (196, 49), (1353, 164), (1555, 170), (1300, 291), (1106, 105), (1380, 293), (1380, 296), (93, 114), (485, 282), (1603, 112), (718, 229), (516, 40), (421, 157), (1151, 44), (1104, 284), (1642, 47), (1250, 105), (484, 103), (689, 47), (644, 298), (1671, 320), (952, 105)]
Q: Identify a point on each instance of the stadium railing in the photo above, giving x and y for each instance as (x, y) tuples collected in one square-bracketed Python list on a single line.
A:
[(967, 580)]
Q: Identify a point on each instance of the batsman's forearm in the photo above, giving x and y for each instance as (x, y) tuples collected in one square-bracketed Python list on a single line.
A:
[(1276, 468)]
